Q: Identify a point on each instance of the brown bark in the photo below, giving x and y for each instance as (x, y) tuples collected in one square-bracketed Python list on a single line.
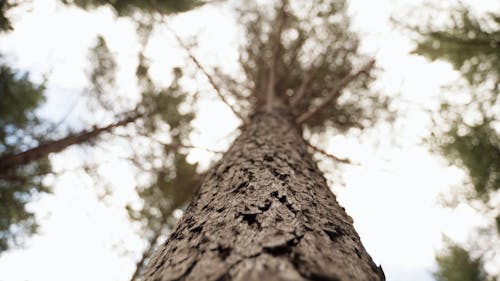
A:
[(9, 161), (264, 212)]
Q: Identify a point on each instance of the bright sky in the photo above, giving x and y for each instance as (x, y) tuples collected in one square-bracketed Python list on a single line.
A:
[(392, 196)]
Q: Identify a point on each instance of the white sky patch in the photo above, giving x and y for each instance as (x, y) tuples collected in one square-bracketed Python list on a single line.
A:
[(392, 196)]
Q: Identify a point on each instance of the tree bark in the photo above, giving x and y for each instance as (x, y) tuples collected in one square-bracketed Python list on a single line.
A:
[(9, 161), (264, 212)]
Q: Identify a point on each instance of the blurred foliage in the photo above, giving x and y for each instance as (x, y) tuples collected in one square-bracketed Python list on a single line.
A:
[(172, 187), (5, 24), (163, 102), (456, 264), (472, 45), (315, 50), (102, 75), (466, 130), (172, 180), (477, 149), (128, 7), (19, 98), (497, 223), (161, 114)]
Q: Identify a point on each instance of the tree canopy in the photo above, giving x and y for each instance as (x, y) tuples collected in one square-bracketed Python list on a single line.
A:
[(456, 264), (304, 55), (471, 44)]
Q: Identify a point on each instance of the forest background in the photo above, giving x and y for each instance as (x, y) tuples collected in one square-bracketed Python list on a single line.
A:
[(394, 191)]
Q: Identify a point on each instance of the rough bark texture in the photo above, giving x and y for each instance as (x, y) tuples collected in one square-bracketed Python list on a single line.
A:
[(264, 212)]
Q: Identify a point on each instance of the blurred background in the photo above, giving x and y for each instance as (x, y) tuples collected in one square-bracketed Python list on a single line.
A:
[(109, 120)]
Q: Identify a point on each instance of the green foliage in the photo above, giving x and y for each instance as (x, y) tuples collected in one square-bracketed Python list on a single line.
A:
[(162, 105), (5, 20), (471, 45), (466, 133), (173, 186), (456, 264), (128, 7), (172, 180), (497, 223), (19, 98), (477, 150), (102, 75), (5, 24)]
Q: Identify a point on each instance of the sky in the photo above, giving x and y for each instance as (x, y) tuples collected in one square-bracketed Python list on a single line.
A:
[(392, 195)]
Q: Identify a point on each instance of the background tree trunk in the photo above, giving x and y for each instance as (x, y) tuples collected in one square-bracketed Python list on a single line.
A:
[(264, 212), (9, 161)]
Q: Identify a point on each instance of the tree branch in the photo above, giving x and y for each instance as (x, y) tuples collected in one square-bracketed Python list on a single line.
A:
[(271, 84), (301, 91), (211, 80), (230, 83), (334, 93), (186, 146), (11, 160), (202, 148), (329, 155)]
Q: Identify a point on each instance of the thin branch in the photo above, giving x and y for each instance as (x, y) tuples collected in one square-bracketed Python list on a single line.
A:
[(201, 148), (329, 155), (193, 58), (334, 93), (229, 82), (274, 60), (173, 145), (270, 86), (301, 92), (55, 126)]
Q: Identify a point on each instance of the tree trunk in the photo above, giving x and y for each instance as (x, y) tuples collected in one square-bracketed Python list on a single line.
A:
[(9, 161), (264, 212)]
